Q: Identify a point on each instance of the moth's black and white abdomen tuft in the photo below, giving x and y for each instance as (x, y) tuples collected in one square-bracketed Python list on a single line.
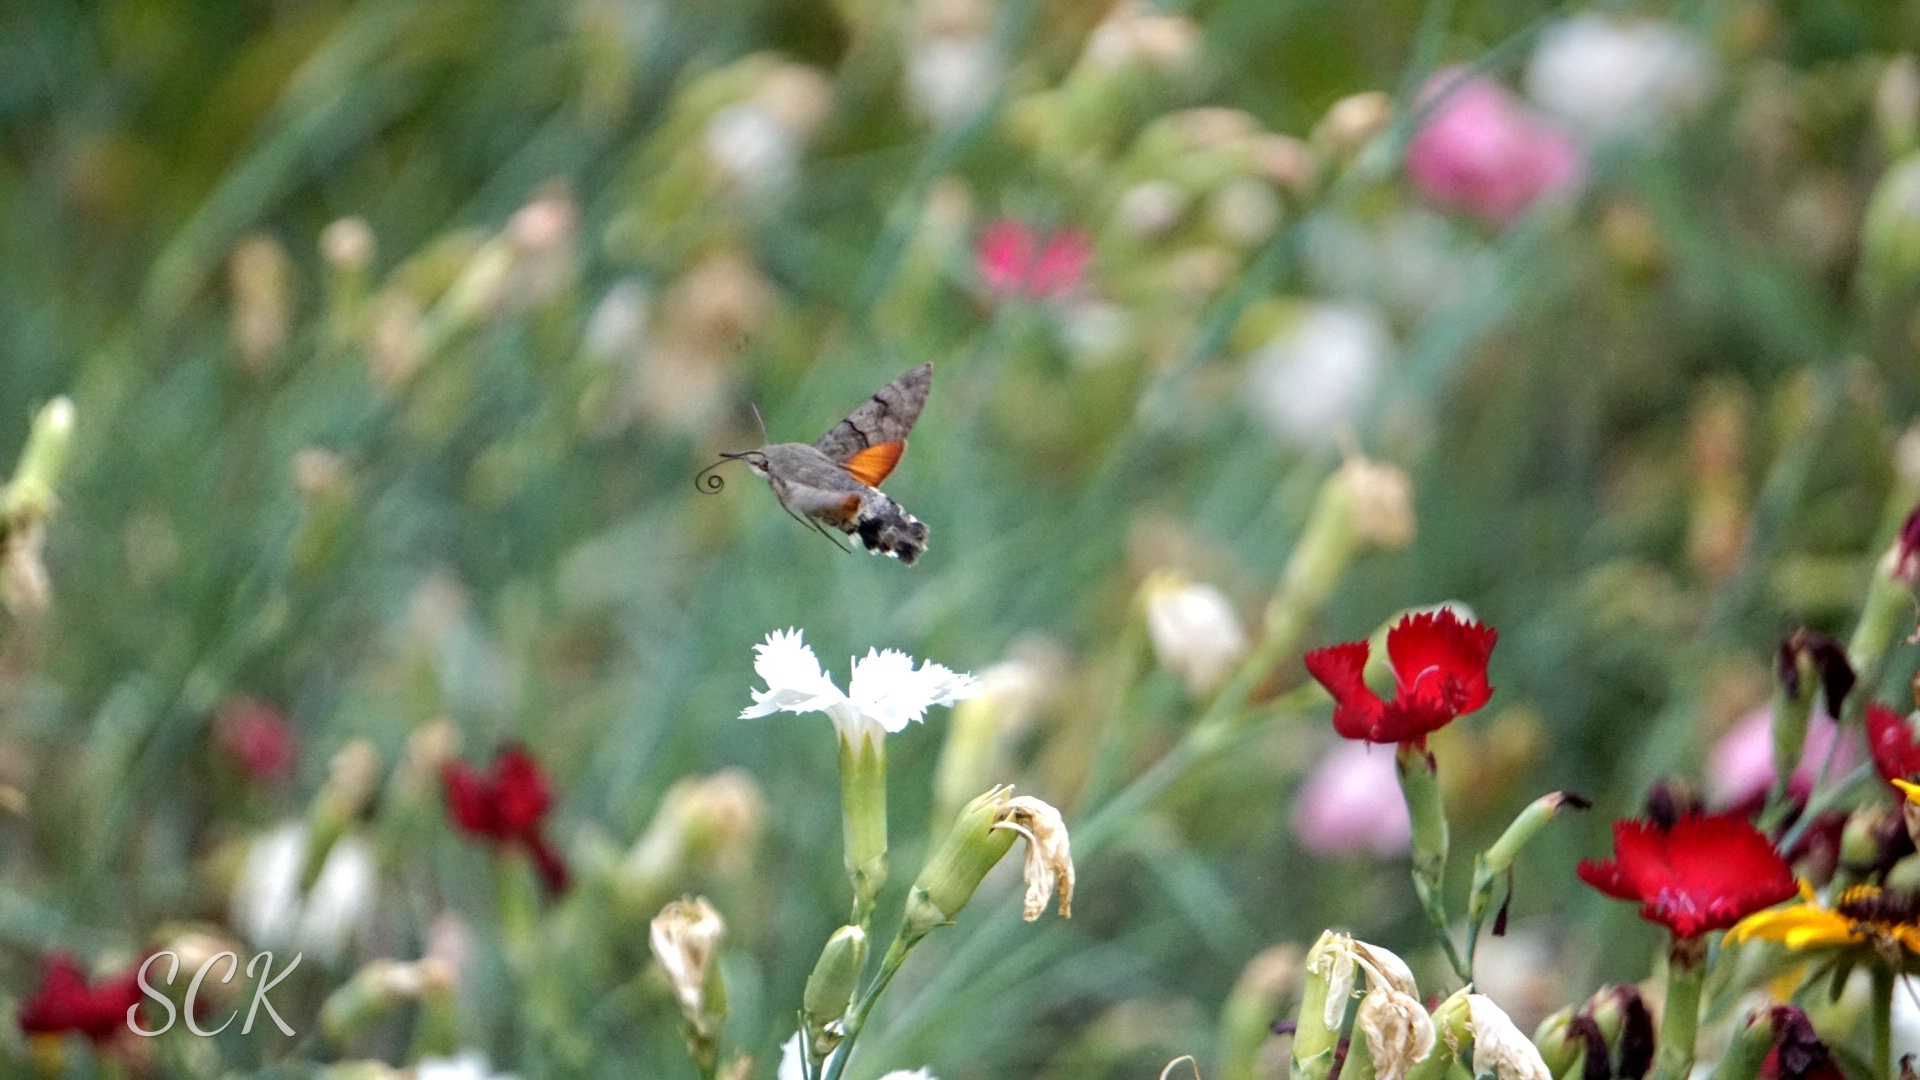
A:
[(884, 528)]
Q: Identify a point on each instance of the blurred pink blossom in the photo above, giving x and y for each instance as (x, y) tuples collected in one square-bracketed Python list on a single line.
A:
[(1482, 151), (1351, 804), (1016, 263), (256, 736), (1740, 768)]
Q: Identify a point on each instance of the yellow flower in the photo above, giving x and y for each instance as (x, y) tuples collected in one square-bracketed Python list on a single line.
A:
[(1863, 915)]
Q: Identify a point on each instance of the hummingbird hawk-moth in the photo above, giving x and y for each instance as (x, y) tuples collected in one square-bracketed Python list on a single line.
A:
[(835, 481)]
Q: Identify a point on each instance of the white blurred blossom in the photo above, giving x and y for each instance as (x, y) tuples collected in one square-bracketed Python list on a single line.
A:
[(752, 147), (1312, 378), (884, 695), (467, 1065), (1196, 634), (269, 908), (791, 1069), (950, 78), (1619, 77)]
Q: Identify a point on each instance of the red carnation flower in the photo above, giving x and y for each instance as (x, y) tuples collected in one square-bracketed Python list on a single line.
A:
[(1890, 737), (1439, 671), (507, 804), (1706, 872), (66, 1003)]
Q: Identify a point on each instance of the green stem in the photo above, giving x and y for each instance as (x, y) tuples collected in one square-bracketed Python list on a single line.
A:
[(1420, 784), (1686, 971)]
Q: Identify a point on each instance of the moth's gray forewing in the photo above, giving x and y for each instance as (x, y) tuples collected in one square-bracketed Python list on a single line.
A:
[(886, 417)]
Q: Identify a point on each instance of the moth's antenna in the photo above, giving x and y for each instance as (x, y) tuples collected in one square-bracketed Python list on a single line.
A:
[(765, 439)]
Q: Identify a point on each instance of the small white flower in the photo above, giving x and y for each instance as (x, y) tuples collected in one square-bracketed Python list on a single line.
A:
[(790, 1066), (270, 911), (752, 147), (1499, 1048), (791, 1069), (951, 78), (885, 694), (467, 1065), (1194, 630), (1615, 78)]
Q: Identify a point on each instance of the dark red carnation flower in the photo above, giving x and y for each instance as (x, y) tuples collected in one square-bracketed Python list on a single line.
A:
[(507, 804), (1439, 671), (1798, 1053), (1906, 550), (1890, 738), (1706, 872), (66, 1003)]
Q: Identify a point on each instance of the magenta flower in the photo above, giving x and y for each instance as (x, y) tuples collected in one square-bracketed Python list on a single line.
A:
[(1016, 263), (1482, 152), (1351, 804)]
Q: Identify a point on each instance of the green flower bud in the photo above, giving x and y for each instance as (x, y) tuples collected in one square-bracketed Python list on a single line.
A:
[(972, 847), (1555, 1041), (830, 988), (1498, 859), (379, 988), (30, 494)]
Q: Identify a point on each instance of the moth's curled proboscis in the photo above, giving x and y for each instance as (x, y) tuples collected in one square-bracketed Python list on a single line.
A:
[(708, 482)]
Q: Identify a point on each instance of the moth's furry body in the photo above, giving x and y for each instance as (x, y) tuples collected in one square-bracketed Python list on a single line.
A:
[(827, 483), (814, 486)]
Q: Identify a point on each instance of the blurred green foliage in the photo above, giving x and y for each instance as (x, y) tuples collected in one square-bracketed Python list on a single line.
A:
[(1655, 431)]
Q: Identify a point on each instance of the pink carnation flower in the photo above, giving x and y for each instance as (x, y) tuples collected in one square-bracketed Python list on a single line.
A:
[(1016, 263), (1483, 152), (1740, 767), (1351, 804)]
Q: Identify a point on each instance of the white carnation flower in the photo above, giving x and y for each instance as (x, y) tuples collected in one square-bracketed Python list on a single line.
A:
[(885, 694)]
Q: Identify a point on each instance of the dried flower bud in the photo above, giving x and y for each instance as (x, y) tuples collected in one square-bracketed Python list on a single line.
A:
[(1135, 33), (351, 777), (1352, 123), (394, 338), (320, 475), (25, 586), (1195, 632), (348, 245), (1398, 1030), (375, 990), (685, 938), (1896, 105), (261, 277), (712, 821), (1382, 502), (1151, 209), (1499, 1048), (1049, 866)]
